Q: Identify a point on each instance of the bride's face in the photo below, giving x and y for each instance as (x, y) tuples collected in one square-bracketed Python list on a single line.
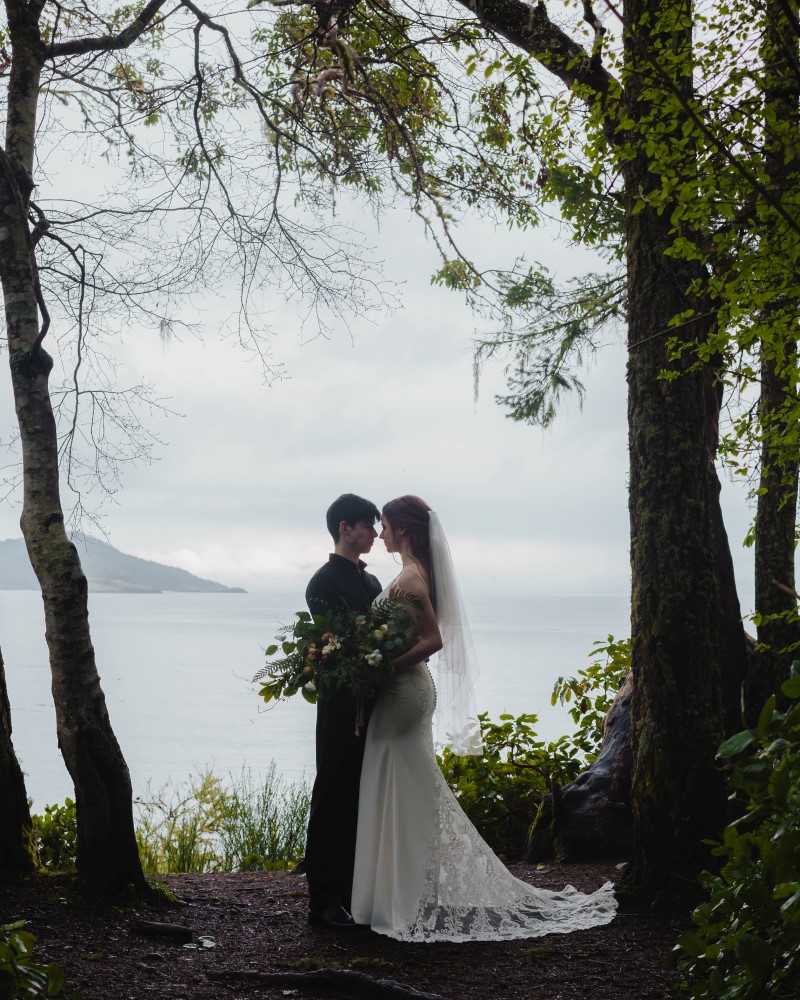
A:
[(386, 534)]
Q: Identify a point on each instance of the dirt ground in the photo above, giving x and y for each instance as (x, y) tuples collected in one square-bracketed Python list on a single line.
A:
[(257, 924)]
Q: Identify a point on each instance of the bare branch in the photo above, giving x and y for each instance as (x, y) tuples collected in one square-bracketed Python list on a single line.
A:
[(531, 29), (107, 43), (597, 26)]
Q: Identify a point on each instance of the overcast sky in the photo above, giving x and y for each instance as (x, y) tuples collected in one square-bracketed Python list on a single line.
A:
[(241, 485)]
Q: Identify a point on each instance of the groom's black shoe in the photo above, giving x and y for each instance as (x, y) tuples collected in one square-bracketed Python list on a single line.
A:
[(333, 916)]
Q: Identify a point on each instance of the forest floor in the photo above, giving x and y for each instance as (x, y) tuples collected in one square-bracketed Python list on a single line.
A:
[(258, 945)]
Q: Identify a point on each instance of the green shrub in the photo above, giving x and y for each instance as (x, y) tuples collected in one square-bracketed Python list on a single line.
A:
[(20, 977), (593, 691), (746, 945), (54, 837), (501, 790)]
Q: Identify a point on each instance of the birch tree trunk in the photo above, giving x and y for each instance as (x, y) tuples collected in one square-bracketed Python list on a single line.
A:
[(107, 852)]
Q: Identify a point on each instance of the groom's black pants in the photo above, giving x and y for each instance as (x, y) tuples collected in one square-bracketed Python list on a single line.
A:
[(333, 821)]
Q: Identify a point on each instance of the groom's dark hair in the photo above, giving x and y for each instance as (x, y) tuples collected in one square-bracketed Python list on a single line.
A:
[(351, 509)]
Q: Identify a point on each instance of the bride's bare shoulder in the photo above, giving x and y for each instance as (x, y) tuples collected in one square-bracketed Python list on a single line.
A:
[(411, 581)]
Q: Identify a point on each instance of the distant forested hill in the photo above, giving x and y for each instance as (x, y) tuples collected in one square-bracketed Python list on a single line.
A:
[(107, 569)]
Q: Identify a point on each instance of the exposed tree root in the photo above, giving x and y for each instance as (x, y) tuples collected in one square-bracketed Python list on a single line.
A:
[(357, 983)]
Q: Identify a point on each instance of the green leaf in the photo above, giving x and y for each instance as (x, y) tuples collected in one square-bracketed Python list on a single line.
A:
[(755, 954), (791, 902), (55, 980), (791, 688), (735, 744), (766, 716), (270, 650), (785, 889)]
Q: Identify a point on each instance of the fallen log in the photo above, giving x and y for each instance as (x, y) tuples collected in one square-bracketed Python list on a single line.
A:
[(177, 932)]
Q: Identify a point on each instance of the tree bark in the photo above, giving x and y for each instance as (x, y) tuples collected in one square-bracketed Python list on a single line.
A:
[(684, 604), (734, 649), (776, 515), (591, 817), (107, 852), (15, 816), (678, 794), (775, 535)]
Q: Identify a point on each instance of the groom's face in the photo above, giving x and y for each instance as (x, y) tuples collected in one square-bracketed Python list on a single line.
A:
[(360, 535)]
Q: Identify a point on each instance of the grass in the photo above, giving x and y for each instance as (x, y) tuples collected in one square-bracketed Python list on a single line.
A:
[(248, 825), (202, 825)]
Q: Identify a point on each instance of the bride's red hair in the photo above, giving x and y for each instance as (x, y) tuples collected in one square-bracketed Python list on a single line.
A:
[(410, 515)]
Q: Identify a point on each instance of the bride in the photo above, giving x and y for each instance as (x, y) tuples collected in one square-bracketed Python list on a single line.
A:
[(422, 871)]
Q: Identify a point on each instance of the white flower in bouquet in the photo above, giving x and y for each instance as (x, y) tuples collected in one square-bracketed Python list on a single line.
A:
[(374, 658)]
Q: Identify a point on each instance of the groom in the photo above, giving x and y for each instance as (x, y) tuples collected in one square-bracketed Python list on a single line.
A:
[(342, 584)]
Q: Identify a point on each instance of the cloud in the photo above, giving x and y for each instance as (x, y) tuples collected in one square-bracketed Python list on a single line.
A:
[(241, 487)]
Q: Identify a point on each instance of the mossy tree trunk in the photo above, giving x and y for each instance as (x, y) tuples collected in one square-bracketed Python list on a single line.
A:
[(733, 643), (684, 602), (107, 851), (15, 817), (678, 794), (776, 515), (775, 533)]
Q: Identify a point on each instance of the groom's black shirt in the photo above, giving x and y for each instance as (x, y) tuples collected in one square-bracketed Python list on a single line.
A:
[(341, 585)]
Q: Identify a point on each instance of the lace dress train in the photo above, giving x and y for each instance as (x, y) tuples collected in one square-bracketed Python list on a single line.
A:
[(422, 870)]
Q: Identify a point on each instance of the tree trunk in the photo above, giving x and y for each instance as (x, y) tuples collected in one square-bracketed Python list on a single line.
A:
[(776, 516), (107, 852), (678, 794), (15, 817), (684, 604), (778, 625), (591, 817), (734, 649)]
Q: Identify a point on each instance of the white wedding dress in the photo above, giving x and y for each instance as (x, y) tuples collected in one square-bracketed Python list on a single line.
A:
[(422, 870)]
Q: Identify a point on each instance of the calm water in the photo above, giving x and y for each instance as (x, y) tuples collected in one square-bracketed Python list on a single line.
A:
[(175, 669)]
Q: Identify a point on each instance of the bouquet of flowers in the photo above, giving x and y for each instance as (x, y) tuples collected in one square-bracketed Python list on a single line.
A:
[(325, 654)]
